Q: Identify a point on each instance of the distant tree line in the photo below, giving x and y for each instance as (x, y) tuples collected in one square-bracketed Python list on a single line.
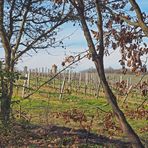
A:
[(111, 71)]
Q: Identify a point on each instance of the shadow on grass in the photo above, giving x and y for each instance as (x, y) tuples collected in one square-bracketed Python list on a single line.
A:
[(53, 136)]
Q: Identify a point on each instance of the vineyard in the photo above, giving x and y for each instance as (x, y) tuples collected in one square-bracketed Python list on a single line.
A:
[(72, 105), (76, 100)]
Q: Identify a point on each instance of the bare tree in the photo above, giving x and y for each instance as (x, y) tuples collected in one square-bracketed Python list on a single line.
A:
[(26, 25), (114, 30)]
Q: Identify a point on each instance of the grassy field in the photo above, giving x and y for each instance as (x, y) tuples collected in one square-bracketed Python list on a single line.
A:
[(79, 111)]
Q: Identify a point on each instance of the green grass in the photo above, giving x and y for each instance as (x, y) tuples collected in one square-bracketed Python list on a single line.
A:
[(47, 100)]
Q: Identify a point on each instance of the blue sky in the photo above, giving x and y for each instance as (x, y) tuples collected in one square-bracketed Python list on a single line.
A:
[(76, 43)]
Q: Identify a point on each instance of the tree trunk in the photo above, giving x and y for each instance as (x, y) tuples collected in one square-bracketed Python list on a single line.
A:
[(5, 102), (5, 109), (98, 60), (127, 129), (7, 91)]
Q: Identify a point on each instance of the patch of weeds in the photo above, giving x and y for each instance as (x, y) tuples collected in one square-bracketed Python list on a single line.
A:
[(34, 103), (91, 103), (60, 106), (72, 98), (138, 123)]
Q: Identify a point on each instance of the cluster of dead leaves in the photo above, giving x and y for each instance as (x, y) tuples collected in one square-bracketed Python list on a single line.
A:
[(144, 88), (68, 59), (73, 115), (137, 114), (95, 34), (121, 87), (144, 129), (110, 126)]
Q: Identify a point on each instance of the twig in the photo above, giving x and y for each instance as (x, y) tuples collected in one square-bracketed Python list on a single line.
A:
[(129, 90), (101, 109), (141, 104)]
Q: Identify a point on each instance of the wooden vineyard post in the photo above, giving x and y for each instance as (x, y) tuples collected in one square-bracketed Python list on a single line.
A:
[(25, 81), (53, 72), (86, 83), (74, 81), (42, 72), (24, 85), (46, 75), (76, 84), (127, 83), (46, 72), (39, 72), (37, 78), (69, 81), (28, 80), (17, 87), (98, 90), (94, 83), (37, 81), (91, 83), (62, 88), (80, 78), (60, 83), (121, 79), (98, 86)]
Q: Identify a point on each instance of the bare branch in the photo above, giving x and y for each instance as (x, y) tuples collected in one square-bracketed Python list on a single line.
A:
[(21, 27), (42, 35), (11, 20), (142, 103)]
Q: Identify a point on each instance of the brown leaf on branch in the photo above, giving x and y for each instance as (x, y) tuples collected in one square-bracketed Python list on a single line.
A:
[(129, 63), (95, 34)]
